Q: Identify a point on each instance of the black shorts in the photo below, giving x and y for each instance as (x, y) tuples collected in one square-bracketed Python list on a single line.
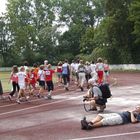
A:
[(42, 84), (101, 101)]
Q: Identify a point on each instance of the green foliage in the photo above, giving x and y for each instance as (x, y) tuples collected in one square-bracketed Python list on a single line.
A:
[(30, 30)]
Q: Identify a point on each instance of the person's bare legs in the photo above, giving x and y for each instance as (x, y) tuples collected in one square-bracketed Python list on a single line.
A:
[(96, 122), (92, 102), (98, 118)]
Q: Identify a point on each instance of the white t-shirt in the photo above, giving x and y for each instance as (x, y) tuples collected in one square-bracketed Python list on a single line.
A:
[(76, 66), (92, 67), (41, 75), (99, 67), (21, 79)]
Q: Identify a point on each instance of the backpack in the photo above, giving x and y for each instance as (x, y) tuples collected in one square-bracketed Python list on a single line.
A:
[(106, 93)]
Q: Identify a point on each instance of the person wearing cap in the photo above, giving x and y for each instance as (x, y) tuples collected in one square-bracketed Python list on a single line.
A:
[(110, 119), (94, 95)]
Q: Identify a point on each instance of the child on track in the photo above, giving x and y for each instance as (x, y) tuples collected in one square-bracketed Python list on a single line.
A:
[(41, 80), (49, 81), (22, 85), (14, 81)]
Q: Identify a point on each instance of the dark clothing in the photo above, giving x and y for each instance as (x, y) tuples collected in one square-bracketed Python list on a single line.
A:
[(50, 85), (126, 116), (15, 86), (101, 101), (1, 89), (66, 78)]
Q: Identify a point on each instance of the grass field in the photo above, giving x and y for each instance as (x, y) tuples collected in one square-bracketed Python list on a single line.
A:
[(4, 77)]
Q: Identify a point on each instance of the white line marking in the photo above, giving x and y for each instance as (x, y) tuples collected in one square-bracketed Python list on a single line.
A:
[(2, 106), (46, 104), (107, 136)]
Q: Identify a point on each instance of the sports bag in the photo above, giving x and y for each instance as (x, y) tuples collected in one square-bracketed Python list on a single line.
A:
[(106, 93)]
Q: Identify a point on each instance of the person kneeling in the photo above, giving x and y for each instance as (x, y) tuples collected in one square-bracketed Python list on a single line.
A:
[(94, 95)]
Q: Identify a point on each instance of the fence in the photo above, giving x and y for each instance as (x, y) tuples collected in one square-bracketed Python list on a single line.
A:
[(112, 67), (125, 67)]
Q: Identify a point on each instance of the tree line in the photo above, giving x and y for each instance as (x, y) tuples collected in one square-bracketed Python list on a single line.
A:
[(35, 30)]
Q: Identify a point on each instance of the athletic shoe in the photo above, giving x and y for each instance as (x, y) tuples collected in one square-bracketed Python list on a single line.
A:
[(27, 98), (82, 89), (9, 97), (45, 97), (18, 101), (38, 95), (66, 89), (85, 125), (49, 97)]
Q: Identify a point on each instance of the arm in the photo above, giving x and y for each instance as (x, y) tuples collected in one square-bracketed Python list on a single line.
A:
[(133, 119)]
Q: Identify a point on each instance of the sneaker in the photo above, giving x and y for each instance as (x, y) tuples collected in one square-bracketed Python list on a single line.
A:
[(66, 89), (49, 97), (38, 95), (45, 97), (27, 98), (18, 101), (82, 89), (85, 125), (9, 97)]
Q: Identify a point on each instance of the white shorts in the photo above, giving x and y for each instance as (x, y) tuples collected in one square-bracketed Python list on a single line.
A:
[(111, 119), (22, 86)]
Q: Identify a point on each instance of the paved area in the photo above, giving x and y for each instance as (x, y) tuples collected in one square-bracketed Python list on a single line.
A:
[(59, 118)]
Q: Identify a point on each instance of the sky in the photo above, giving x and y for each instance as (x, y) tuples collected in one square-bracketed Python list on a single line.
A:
[(2, 6)]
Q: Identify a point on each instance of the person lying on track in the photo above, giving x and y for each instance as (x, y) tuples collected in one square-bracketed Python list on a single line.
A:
[(110, 119)]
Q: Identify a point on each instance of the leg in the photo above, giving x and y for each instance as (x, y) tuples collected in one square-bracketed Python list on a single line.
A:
[(96, 122), (97, 119)]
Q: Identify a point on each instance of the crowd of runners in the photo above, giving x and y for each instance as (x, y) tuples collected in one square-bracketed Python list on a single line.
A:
[(38, 80)]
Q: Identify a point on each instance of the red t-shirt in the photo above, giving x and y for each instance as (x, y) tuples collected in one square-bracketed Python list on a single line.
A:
[(59, 68), (33, 78), (49, 74)]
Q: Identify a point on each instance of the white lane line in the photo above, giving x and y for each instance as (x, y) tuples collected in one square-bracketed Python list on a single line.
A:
[(2, 106), (9, 105), (37, 106), (107, 136)]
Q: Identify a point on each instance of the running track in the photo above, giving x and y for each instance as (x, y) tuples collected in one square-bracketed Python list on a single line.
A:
[(59, 119)]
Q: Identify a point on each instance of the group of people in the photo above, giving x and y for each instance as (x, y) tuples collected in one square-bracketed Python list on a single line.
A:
[(93, 74), (27, 78)]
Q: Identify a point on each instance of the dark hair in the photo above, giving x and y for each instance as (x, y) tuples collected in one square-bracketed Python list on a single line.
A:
[(15, 69), (26, 63)]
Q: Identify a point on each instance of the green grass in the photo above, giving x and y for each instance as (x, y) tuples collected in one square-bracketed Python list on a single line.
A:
[(7, 86)]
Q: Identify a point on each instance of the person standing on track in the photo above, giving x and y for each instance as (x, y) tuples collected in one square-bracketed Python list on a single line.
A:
[(106, 71), (14, 81), (66, 74), (100, 70), (82, 75), (125, 117), (59, 73), (41, 80), (49, 81), (22, 85)]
